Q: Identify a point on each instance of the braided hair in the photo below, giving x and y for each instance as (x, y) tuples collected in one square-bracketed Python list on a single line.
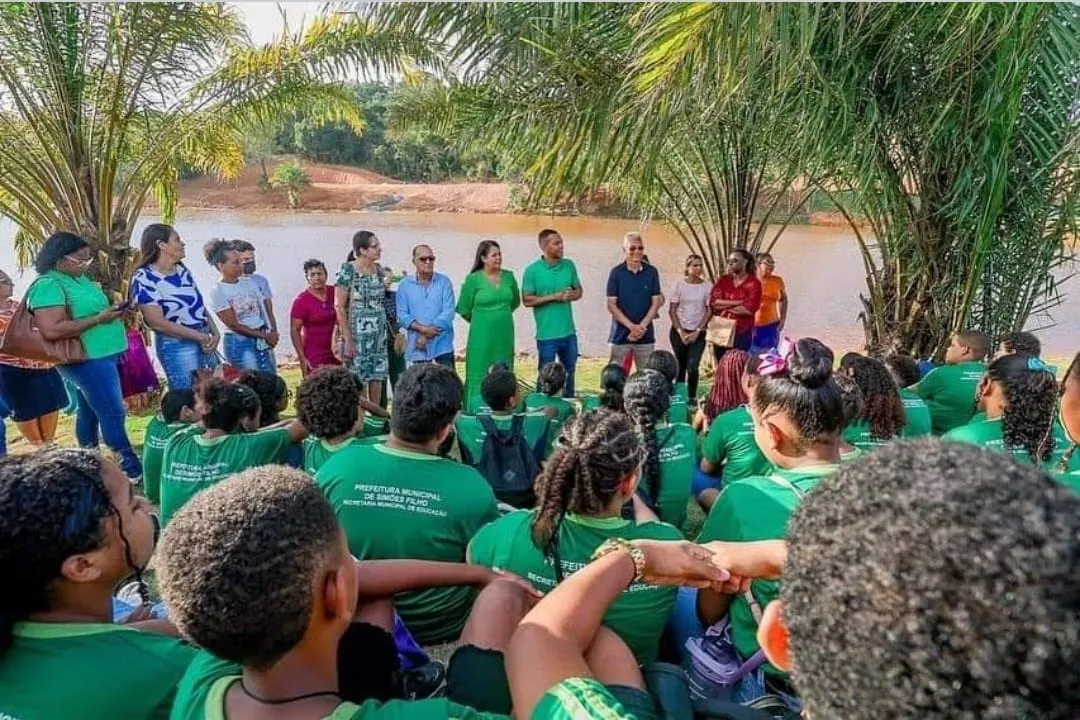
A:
[(727, 389), (883, 410), (595, 452), (1031, 392), (53, 504), (647, 398)]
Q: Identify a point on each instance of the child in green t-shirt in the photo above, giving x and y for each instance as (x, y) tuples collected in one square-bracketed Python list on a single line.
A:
[(328, 405), (231, 442), (499, 391), (257, 572), (612, 380), (72, 530), (882, 416), (949, 390), (548, 397), (798, 419), (592, 475), (670, 448), (1019, 395), (177, 413), (665, 363), (905, 373), (851, 396)]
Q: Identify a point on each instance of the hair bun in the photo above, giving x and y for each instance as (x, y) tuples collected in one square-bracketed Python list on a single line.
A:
[(810, 363)]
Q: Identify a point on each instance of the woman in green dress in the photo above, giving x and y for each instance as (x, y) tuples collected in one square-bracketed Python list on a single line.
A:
[(487, 302)]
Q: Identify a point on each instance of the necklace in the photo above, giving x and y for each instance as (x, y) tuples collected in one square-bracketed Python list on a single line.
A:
[(286, 701)]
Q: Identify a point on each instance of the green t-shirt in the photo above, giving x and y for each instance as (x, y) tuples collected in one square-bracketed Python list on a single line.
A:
[(678, 456), (564, 410), (157, 435), (201, 696), (589, 403), (916, 414), (989, 434), (638, 616), (194, 462), (579, 699), (758, 508), (980, 416), (730, 444), (851, 455), (1070, 480), (83, 298), (859, 435), (317, 451), (398, 504), (90, 671), (949, 392), (374, 426), (554, 320), (471, 434)]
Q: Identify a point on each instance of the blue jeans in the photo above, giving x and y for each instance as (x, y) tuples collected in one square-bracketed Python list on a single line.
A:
[(242, 352), (180, 358), (567, 352), (100, 404)]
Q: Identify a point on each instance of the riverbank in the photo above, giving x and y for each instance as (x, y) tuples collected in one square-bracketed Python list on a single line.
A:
[(341, 188)]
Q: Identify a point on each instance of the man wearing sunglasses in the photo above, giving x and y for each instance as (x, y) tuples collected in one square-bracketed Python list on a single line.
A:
[(633, 300), (425, 311)]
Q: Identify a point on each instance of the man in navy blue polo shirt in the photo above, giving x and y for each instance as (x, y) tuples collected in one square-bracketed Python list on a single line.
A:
[(633, 299)]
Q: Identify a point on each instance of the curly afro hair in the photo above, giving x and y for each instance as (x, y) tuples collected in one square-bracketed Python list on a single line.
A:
[(935, 580), (883, 410), (237, 563), (328, 402), (272, 392)]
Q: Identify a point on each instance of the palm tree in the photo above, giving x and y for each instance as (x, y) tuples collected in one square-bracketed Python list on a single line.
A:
[(103, 104), (951, 129)]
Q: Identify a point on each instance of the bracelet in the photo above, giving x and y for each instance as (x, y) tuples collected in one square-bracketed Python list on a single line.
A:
[(637, 555)]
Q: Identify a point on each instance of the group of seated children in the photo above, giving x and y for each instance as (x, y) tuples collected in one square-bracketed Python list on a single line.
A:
[(290, 593)]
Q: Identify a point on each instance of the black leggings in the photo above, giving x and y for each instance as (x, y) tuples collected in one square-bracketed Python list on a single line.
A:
[(689, 357)]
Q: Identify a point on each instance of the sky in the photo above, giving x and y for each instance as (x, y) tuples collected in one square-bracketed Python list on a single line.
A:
[(263, 19)]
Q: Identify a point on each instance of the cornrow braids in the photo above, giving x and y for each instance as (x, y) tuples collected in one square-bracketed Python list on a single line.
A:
[(647, 397), (727, 389), (883, 410), (61, 496), (594, 453), (1031, 392)]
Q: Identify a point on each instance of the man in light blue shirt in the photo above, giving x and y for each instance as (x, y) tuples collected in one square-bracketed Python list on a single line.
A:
[(425, 310)]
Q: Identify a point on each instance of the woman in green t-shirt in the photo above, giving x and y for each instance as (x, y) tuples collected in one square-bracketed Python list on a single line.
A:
[(670, 448), (72, 530), (882, 418), (580, 494), (67, 304), (1019, 395), (231, 443), (548, 396)]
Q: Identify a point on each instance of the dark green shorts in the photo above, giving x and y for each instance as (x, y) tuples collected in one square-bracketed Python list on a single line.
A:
[(476, 677)]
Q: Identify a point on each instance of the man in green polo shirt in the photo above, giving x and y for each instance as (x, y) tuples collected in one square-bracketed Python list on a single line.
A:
[(400, 500), (548, 286)]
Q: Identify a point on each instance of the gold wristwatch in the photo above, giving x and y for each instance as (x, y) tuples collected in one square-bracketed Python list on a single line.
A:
[(636, 554)]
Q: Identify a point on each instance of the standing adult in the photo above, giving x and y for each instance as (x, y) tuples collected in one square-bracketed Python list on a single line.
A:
[(772, 313), (185, 336), (359, 293), (548, 286), (633, 300), (238, 302), (312, 320), (689, 310), (32, 390), (425, 311), (487, 301), (247, 263), (737, 296), (66, 304)]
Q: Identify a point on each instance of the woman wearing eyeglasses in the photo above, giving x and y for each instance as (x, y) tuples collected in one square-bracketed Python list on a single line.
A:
[(67, 303), (736, 296), (313, 320)]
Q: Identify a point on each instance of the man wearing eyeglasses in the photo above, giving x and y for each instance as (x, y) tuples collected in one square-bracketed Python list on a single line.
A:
[(425, 311), (633, 298)]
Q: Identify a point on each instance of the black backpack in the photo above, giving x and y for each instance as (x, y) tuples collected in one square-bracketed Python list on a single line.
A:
[(508, 463)]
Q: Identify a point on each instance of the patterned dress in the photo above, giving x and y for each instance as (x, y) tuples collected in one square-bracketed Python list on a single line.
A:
[(367, 320)]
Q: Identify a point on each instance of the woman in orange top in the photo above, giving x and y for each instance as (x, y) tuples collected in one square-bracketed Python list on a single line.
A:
[(32, 390), (772, 314)]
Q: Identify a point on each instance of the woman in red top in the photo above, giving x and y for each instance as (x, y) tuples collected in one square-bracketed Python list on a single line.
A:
[(737, 295), (313, 320)]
